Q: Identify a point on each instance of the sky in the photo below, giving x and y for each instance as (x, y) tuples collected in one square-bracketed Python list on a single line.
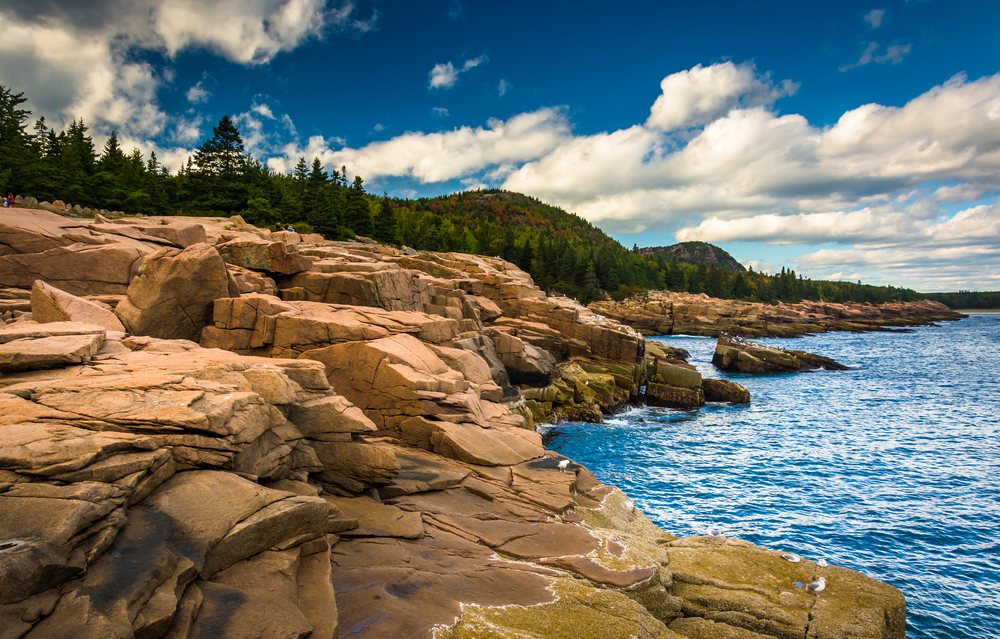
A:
[(844, 140)]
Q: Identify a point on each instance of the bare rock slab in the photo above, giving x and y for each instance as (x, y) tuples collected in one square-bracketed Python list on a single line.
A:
[(49, 352)]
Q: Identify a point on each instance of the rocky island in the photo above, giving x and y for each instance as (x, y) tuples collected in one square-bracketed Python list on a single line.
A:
[(213, 430)]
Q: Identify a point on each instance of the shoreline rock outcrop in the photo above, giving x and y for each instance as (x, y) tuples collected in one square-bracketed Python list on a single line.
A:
[(317, 469), (738, 355), (668, 313)]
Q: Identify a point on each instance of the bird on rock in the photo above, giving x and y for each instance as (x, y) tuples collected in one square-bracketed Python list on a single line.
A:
[(817, 586), (563, 465), (792, 557), (822, 563)]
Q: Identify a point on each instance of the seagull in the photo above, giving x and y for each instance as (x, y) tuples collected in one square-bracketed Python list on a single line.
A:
[(817, 586), (792, 557), (716, 534), (822, 563), (563, 465)]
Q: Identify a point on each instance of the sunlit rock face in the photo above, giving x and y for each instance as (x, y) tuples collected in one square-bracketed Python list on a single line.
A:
[(248, 459)]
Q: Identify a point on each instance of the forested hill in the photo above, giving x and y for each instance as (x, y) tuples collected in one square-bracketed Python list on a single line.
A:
[(696, 253), (565, 253)]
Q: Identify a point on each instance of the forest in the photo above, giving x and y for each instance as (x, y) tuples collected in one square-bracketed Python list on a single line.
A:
[(562, 252)]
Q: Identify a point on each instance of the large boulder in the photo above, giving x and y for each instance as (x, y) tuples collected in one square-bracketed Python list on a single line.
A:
[(49, 304), (174, 295), (722, 390), (273, 257)]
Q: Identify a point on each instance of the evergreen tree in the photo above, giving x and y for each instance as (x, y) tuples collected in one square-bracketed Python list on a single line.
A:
[(219, 182), (358, 215), (387, 223), (16, 157)]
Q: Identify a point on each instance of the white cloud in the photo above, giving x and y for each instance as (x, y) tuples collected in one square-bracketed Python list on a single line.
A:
[(248, 31), (378, 127), (441, 112), (874, 18), (262, 110), (198, 94), (436, 157), (76, 59), (503, 87), (702, 94), (474, 62), (445, 75)]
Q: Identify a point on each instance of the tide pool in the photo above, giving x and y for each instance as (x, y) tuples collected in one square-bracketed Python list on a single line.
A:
[(891, 468)]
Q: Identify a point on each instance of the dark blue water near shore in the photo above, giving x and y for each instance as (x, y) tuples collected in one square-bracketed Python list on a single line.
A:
[(891, 468)]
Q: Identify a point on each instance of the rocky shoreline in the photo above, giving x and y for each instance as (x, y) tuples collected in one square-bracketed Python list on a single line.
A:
[(213, 430), (668, 313)]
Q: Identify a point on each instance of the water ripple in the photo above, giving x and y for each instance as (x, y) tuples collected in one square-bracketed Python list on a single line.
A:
[(891, 468)]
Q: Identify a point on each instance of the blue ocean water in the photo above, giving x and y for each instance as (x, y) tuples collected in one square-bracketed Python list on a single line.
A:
[(891, 468)]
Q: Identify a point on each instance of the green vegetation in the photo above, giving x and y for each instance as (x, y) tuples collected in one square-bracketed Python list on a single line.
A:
[(696, 253), (220, 180), (565, 253), (562, 252), (969, 300)]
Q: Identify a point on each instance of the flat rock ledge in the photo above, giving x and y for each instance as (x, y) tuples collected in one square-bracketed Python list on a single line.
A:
[(350, 457), (668, 313)]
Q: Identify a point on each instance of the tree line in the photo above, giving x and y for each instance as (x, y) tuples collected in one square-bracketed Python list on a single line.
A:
[(220, 179), (561, 251)]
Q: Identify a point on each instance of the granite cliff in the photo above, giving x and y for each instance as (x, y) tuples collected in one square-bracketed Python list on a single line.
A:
[(212, 430)]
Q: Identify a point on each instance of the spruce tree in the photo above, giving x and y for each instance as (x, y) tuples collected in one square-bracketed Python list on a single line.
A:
[(386, 222), (358, 215), (219, 182)]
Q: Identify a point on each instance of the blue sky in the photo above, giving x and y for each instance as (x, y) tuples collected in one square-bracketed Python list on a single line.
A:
[(856, 140)]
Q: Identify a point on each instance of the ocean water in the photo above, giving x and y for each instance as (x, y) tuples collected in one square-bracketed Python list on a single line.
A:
[(891, 468)]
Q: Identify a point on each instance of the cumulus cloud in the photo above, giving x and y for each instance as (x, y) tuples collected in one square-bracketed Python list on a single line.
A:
[(436, 157), (874, 18), (702, 94), (751, 162), (78, 59), (445, 75)]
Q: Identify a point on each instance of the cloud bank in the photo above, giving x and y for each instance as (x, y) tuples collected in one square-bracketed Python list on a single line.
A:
[(714, 161), (83, 59)]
